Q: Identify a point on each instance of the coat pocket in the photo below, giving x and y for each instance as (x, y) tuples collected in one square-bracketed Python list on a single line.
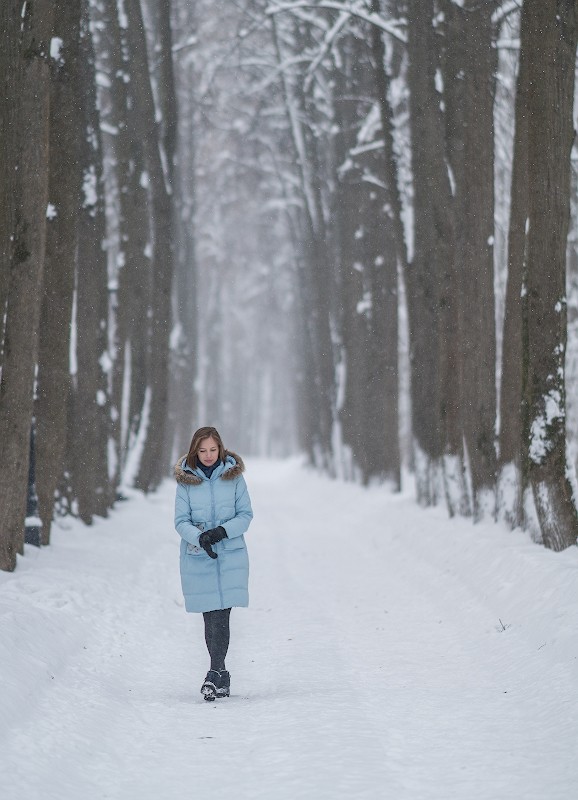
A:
[(236, 543), (194, 549)]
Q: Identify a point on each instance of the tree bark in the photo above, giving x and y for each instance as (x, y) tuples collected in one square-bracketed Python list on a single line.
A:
[(153, 467), (433, 249), (478, 326), (166, 89), (184, 392), (165, 79), (61, 240), (25, 279), (451, 377), (11, 70), (319, 283), (513, 435), (468, 298), (90, 392), (382, 84), (367, 246), (552, 38), (131, 299)]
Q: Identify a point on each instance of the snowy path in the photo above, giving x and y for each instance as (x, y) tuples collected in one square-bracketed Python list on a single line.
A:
[(371, 664)]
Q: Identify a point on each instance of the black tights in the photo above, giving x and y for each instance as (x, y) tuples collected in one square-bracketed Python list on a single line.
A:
[(217, 636)]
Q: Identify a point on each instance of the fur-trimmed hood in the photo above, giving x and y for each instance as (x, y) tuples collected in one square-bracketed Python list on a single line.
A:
[(234, 467)]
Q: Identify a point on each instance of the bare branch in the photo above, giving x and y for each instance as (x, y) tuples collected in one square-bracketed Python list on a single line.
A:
[(391, 28), (325, 47)]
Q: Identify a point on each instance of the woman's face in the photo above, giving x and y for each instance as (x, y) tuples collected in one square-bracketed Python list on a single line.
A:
[(208, 452)]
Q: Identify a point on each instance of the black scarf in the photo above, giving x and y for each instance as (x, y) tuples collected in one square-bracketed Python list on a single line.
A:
[(209, 470)]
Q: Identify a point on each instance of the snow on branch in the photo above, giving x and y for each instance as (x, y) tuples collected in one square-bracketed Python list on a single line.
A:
[(351, 9), (325, 47), (276, 71), (507, 44), (191, 41), (504, 11)]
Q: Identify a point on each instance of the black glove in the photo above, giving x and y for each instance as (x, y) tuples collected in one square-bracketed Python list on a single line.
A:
[(207, 538)]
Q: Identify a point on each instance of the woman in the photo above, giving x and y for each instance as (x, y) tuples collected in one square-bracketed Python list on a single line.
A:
[(212, 512)]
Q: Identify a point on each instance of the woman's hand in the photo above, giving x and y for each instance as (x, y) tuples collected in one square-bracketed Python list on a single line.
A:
[(212, 536)]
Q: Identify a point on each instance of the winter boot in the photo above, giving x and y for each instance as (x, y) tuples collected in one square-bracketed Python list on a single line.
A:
[(210, 685), (224, 685)]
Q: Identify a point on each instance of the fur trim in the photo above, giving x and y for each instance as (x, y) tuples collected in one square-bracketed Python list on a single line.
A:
[(233, 472), (183, 476)]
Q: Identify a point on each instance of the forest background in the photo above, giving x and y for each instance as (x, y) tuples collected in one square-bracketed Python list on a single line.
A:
[(346, 228)]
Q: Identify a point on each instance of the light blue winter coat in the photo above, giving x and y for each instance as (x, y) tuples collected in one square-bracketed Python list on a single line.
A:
[(201, 504)]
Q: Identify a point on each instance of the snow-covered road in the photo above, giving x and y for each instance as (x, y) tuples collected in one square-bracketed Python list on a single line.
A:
[(387, 653)]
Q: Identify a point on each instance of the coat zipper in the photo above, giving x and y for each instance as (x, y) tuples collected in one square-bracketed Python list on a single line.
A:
[(213, 523)]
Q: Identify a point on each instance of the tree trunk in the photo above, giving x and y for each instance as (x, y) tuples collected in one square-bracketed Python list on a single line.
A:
[(184, 393), (90, 445), (319, 282), (383, 460), (314, 279), (152, 466), (382, 84), (166, 89), (135, 292), (552, 37), (165, 80), (513, 410), (385, 271), (25, 282), (476, 224), (433, 249), (132, 297), (367, 284), (11, 69), (453, 65), (61, 241), (468, 300)]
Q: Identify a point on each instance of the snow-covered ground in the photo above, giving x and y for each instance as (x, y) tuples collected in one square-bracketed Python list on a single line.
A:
[(387, 653)]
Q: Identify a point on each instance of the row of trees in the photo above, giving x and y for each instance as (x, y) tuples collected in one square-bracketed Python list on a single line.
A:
[(379, 126), (311, 254), (87, 125)]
